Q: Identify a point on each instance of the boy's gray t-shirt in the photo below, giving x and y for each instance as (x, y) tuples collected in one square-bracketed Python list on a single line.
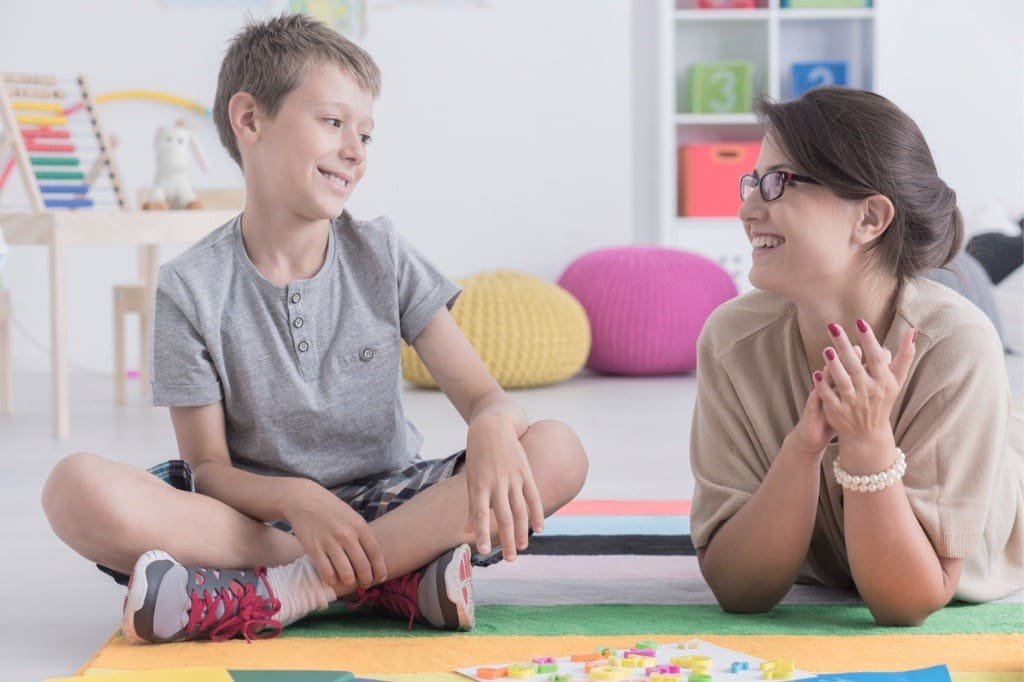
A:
[(309, 373)]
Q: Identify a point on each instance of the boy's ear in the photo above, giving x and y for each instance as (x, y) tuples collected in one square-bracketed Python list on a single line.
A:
[(243, 115), (875, 215)]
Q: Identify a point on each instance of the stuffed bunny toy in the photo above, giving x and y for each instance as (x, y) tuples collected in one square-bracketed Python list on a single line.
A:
[(171, 186)]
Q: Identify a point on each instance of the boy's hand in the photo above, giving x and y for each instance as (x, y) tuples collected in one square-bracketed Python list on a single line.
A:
[(499, 479), (338, 539)]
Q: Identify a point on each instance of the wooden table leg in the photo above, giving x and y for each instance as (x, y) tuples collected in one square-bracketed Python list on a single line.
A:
[(58, 334), (149, 264), (6, 393)]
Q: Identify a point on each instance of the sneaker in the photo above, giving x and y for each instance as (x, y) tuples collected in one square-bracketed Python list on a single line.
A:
[(168, 602), (440, 593)]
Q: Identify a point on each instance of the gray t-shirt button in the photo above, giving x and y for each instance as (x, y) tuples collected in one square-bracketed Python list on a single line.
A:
[(297, 322), (303, 346), (366, 354), (296, 298)]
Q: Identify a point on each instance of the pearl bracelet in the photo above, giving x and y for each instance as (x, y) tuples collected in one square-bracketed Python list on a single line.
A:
[(871, 482)]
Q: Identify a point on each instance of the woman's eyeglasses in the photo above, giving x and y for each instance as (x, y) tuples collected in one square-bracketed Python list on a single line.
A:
[(771, 184)]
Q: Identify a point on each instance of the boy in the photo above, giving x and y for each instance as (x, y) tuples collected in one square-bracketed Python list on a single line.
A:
[(276, 347)]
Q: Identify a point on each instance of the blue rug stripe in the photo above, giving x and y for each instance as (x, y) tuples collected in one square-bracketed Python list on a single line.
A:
[(617, 525)]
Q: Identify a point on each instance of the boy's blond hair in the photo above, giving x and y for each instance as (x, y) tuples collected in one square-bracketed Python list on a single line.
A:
[(268, 59)]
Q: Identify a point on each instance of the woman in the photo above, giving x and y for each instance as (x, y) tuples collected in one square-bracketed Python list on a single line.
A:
[(844, 365)]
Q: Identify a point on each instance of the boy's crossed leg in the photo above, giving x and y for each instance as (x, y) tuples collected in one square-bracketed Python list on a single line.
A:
[(113, 514)]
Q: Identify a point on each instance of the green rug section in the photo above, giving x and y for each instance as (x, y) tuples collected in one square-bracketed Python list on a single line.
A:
[(646, 619)]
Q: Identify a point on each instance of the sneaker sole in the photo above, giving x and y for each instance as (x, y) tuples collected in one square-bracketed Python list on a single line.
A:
[(136, 597), (458, 585)]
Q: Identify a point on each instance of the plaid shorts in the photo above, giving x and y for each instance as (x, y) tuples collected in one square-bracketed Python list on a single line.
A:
[(371, 497)]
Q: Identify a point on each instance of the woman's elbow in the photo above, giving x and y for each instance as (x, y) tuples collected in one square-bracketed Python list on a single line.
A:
[(744, 601), (746, 607), (907, 614), (738, 594)]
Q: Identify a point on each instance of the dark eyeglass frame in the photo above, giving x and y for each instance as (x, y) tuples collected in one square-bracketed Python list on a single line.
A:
[(787, 178)]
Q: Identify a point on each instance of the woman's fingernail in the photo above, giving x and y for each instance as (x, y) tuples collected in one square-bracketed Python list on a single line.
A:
[(913, 339), (830, 354), (833, 329), (818, 376), (862, 326)]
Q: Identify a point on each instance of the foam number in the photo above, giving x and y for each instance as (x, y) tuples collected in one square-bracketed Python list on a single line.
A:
[(522, 671), (726, 86)]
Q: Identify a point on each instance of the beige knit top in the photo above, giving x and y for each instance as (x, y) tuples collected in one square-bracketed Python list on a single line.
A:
[(965, 460)]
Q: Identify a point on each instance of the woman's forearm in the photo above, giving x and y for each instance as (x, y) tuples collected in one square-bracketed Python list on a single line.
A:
[(897, 572), (753, 559)]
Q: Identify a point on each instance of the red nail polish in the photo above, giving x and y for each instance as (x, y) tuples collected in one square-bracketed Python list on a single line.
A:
[(830, 354), (862, 326), (818, 376), (833, 329)]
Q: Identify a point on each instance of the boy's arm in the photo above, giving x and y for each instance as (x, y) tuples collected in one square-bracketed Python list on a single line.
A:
[(497, 470), (338, 540), (202, 443)]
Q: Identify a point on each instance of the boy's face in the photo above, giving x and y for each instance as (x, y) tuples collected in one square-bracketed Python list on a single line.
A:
[(310, 156)]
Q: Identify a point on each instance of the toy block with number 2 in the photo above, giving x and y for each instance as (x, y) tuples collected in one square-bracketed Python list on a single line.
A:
[(809, 75)]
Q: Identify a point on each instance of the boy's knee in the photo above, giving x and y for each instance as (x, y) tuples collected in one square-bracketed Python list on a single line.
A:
[(562, 451), (68, 477)]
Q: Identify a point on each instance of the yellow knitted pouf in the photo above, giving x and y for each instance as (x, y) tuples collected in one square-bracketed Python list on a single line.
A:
[(528, 332)]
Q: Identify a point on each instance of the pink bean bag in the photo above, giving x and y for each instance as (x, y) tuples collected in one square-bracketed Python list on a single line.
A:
[(646, 306)]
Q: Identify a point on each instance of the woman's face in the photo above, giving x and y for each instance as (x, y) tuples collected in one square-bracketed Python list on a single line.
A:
[(803, 242)]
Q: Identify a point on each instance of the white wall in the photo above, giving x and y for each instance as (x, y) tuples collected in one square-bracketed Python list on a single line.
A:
[(502, 136), (958, 69), (505, 133)]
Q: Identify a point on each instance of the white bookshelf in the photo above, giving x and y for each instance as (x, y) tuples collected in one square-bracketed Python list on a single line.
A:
[(772, 38)]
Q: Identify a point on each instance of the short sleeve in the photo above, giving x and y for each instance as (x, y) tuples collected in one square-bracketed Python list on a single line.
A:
[(723, 456), (183, 374), (953, 431), (422, 289)]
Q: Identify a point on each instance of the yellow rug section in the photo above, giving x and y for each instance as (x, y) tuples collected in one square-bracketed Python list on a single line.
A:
[(172, 675), (383, 657)]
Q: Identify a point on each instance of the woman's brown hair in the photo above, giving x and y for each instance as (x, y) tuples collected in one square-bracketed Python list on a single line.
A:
[(858, 143)]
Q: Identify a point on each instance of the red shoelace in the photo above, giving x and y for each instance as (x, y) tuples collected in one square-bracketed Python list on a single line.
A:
[(396, 596), (244, 611)]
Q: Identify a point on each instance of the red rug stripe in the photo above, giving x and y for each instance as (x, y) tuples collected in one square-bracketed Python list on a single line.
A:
[(626, 508)]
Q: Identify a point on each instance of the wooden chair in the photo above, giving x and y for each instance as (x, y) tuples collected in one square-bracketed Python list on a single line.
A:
[(128, 299), (137, 298), (6, 394)]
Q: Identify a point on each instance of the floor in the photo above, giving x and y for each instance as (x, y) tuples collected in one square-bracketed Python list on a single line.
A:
[(60, 610)]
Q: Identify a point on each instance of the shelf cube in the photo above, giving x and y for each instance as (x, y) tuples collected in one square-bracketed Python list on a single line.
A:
[(808, 75), (721, 87), (824, 4), (725, 4), (709, 176)]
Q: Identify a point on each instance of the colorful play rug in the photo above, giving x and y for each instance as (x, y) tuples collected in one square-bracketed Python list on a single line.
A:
[(610, 574)]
